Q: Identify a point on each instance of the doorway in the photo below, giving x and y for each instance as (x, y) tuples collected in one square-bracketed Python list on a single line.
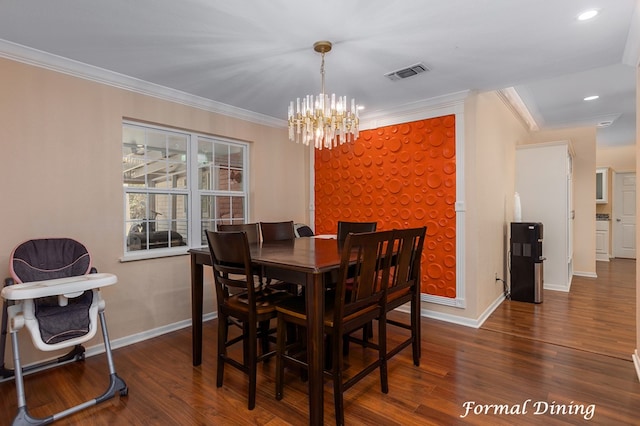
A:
[(624, 215)]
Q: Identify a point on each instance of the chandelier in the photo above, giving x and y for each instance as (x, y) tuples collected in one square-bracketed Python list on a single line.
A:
[(327, 121)]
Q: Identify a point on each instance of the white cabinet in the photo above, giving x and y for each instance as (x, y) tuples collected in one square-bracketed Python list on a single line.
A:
[(544, 183), (602, 240), (602, 186)]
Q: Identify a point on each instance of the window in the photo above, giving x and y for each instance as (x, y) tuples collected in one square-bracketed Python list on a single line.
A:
[(165, 212)]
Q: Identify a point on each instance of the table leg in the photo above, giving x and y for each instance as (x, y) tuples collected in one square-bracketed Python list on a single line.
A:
[(196, 310), (315, 350)]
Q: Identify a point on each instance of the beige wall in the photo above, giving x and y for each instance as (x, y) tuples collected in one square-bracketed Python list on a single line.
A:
[(637, 351), (583, 142), (61, 176), (491, 133), (618, 158)]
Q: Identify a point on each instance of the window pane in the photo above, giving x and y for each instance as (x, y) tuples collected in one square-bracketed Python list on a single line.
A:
[(221, 161), (205, 161), (207, 207), (236, 156), (154, 158), (133, 161), (206, 225), (229, 208), (177, 160), (204, 177), (156, 221)]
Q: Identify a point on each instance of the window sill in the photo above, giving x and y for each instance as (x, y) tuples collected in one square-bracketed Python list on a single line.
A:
[(154, 254)]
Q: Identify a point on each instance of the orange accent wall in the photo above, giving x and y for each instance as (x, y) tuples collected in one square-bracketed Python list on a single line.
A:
[(401, 176)]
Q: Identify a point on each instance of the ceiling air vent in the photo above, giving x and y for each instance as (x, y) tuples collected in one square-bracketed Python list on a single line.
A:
[(406, 72)]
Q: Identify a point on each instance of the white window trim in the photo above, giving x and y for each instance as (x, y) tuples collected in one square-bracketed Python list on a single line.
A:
[(192, 191)]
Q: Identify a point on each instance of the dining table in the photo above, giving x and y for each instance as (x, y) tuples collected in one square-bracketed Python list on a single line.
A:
[(304, 261)]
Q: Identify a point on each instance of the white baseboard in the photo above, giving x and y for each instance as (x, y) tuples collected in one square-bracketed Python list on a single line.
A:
[(636, 362), (585, 274), (557, 287), (467, 322), (147, 334)]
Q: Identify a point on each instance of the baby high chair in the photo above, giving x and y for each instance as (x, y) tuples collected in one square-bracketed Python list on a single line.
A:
[(52, 293)]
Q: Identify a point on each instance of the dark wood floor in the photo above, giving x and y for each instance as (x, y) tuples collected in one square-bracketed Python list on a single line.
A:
[(573, 351)]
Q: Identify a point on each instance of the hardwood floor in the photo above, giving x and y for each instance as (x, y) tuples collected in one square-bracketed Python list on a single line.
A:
[(573, 351), (597, 315)]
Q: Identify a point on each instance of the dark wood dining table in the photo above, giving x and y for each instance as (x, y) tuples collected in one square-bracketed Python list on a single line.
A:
[(303, 261)]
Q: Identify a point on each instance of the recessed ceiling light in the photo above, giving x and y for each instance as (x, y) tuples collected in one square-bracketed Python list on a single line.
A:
[(587, 14), (591, 98), (360, 107)]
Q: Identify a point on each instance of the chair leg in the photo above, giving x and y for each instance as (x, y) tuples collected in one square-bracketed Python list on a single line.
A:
[(223, 331), (22, 417), (116, 384), (252, 363), (264, 337), (3, 341), (245, 344), (338, 387), (416, 330), (280, 348), (382, 353)]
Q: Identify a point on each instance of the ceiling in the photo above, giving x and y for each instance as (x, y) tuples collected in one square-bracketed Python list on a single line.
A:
[(258, 56)]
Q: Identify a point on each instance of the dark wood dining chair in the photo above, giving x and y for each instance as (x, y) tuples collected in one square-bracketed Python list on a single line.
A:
[(345, 227), (239, 298), (252, 230), (277, 231), (253, 237), (303, 230), (365, 264), (404, 287)]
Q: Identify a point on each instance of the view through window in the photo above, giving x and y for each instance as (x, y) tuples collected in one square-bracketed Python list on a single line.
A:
[(177, 184)]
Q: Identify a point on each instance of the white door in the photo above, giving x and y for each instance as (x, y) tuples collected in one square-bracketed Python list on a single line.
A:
[(624, 215)]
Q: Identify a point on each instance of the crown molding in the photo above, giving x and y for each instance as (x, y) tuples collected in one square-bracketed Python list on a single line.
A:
[(38, 58), (433, 107), (513, 100)]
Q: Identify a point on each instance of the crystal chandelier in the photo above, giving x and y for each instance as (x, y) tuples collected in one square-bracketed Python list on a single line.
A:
[(325, 120)]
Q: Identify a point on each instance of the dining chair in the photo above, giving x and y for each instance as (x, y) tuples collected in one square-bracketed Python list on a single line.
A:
[(404, 287), (365, 263), (252, 230), (239, 298), (277, 231), (345, 227), (302, 230)]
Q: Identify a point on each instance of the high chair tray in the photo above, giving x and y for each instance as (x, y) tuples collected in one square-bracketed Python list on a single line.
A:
[(58, 286)]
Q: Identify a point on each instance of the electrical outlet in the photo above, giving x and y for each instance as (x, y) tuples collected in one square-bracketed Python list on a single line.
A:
[(497, 279)]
